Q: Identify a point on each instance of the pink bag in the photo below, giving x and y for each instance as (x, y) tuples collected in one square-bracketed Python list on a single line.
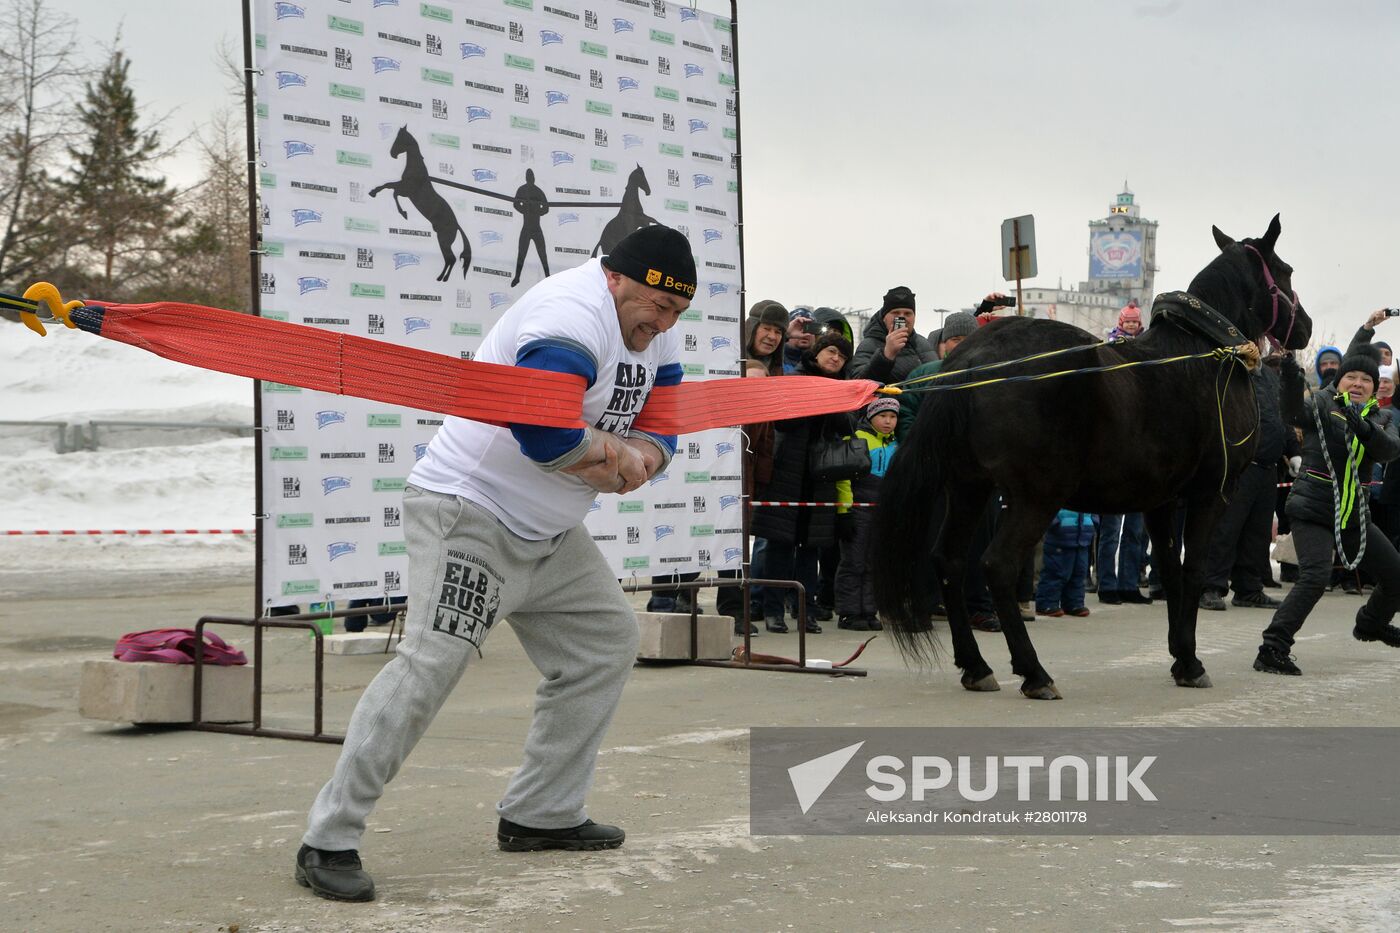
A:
[(175, 646)]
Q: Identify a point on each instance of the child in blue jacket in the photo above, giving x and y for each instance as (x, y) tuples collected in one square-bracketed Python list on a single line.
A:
[(1066, 568)]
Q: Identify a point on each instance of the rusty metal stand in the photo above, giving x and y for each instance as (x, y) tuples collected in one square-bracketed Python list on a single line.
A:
[(306, 620), (746, 664)]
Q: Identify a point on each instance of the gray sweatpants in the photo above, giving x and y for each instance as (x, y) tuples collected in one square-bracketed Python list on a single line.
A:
[(466, 573)]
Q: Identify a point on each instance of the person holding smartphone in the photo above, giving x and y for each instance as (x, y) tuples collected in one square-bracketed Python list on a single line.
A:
[(890, 349)]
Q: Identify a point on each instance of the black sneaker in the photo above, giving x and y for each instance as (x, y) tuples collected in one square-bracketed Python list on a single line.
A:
[(1212, 600), (1110, 597), (1259, 600), (1385, 634), (739, 627), (820, 613), (851, 624), (586, 837), (775, 624), (338, 876), (1273, 661), (813, 628), (1134, 597), (985, 622)]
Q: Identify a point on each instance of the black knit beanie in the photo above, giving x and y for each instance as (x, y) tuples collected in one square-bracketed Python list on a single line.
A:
[(898, 297), (657, 256), (1362, 358)]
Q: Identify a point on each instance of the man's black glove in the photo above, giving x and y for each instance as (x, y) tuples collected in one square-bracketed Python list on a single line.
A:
[(846, 527)]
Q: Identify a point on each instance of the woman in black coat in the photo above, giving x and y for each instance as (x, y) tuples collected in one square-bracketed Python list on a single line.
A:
[(795, 533)]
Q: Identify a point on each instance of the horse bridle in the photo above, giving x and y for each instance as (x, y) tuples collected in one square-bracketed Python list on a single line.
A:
[(1277, 294)]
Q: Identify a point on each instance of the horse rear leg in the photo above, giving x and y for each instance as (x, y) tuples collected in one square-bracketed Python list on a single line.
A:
[(1187, 669), (965, 507), (1022, 525)]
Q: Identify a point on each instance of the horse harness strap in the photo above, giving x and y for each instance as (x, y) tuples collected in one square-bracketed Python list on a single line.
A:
[(1191, 313)]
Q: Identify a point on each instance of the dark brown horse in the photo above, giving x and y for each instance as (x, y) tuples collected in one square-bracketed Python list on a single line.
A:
[(1141, 439)]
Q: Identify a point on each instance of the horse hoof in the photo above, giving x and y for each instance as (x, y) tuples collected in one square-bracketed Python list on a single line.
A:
[(987, 684), (1047, 692), (1202, 681)]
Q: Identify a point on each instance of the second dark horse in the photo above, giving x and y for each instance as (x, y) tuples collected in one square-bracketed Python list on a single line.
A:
[(417, 186), (1142, 439)]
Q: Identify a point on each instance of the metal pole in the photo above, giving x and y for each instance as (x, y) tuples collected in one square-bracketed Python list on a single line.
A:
[(254, 294), (1016, 261), (745, 565)]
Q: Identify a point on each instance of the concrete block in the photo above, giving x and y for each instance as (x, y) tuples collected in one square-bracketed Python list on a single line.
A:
[(368, 642), (149, 692), (666, 636)]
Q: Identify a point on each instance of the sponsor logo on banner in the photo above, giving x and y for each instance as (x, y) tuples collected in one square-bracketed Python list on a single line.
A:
[(698, 126), (286, 79), (489, 237), (472, 50), (383, 63), (550, 37), (338, 549), (483, 174), (694, 71), (664, 531), (296, 554), (560, 157), (419, 450), (307, 284), (728, 502), (405, 259), (718, 288), (732, 555), (475, 113), (622, 25), (625, 83), (289, 11), (702, 181), (380, 3), (711, 235), (330, 484), (325, 419), (688, 15), (722, 448), (305, 215), (631, 141), (568, 217), (295, 147), (555, 97), (498, 299), (412, 324)]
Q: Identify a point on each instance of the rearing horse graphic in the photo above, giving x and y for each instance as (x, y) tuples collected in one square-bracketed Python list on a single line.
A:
[(630, 217), (417, 186)]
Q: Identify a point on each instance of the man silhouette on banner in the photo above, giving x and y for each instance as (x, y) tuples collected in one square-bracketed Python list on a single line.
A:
[(531, 204)]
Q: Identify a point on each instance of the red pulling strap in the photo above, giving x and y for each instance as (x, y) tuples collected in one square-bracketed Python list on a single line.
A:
[(298, 355)]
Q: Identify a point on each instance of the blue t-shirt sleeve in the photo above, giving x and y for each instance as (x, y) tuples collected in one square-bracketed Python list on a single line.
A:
[(669, 374), (544, 444)]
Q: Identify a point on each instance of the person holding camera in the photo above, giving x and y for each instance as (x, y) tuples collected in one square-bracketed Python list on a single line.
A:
[(802, 333), (1344, 433), (890, 349)]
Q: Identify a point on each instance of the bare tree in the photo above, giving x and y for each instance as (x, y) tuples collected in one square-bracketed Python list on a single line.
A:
[(211, 263), (40, 71)]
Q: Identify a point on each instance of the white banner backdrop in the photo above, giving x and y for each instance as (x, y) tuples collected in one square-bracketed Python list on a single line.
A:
[(421, 166)]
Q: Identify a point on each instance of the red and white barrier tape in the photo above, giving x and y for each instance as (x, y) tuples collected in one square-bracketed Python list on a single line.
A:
[(68, 532), (855, 505)]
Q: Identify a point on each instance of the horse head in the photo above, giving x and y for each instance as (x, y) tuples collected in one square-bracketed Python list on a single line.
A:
[(638, 179), (1274, 309), (403, 142)]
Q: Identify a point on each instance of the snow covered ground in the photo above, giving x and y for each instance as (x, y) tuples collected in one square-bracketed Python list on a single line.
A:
[(135, 479)]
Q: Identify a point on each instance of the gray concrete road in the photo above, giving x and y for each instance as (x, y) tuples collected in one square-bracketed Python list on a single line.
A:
[(116, 828)]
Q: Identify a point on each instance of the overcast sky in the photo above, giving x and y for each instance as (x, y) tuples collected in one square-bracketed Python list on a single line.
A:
[(885, 141)]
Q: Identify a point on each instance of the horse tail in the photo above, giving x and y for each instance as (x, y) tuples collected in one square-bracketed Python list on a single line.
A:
[(466, 251), (908, 522)]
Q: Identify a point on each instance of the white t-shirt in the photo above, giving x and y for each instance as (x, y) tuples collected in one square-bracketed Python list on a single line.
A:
[(485, 464)]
